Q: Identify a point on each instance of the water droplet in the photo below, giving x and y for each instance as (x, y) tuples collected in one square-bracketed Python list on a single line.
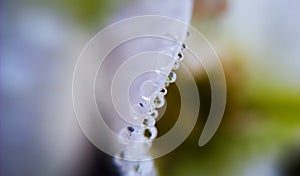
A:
[(188, 34), (130, 129), (136, 167), (180, 56), (130, 134), (154, 113), (164, 91), (149, 121), (147, 133), (150, 133), (183, 46), (176, 65), (157, 100), (171, 77), (161, 77)]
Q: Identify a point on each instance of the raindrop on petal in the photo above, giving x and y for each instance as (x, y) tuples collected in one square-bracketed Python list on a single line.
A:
[(148, 121), (157, 100), (176, 65), (164, 91), (130, 129), (171, 77), (188, 34), (154, 113), (150, 133), (183, 46), (180, 56)]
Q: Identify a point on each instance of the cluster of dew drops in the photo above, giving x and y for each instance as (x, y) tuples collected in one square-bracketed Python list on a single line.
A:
[(138, 139)]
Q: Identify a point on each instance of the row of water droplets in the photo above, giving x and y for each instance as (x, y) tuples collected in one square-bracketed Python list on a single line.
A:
[(137, 139)]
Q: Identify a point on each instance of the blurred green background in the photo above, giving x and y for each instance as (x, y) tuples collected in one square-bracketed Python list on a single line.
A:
[(257, 42)]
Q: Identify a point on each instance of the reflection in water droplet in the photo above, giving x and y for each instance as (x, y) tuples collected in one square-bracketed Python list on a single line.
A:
[(148, 121), (188, 34), (157, 100), (183, 46), (136, 167), (164, 91), (154, 113), (176, 65), (130, 134), (150, 133), (180, 56), (130, 129), (171, 77)]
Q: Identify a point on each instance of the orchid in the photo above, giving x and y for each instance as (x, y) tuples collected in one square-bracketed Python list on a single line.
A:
[(148, 93)]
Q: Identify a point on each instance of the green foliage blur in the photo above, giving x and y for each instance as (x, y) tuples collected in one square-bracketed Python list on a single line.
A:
[(262, 119)]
